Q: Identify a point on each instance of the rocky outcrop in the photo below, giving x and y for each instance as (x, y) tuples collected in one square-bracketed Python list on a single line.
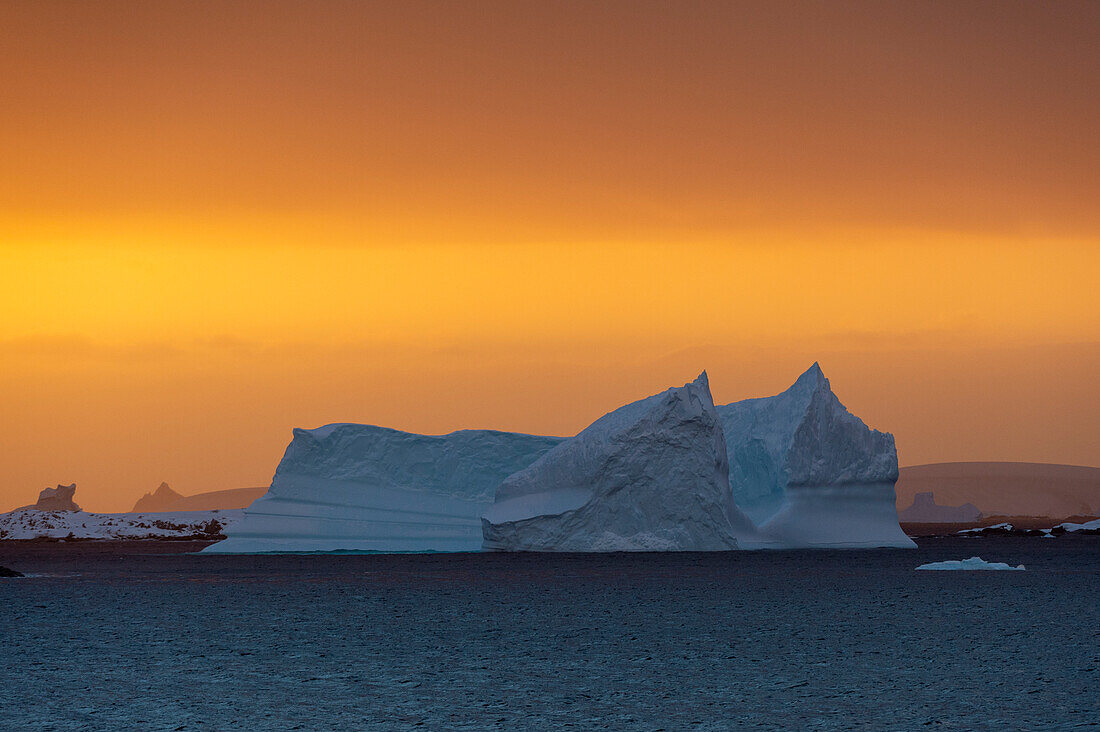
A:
[(167, 500), (1006, 489), (159, 500), (56, 499), (34, 525)]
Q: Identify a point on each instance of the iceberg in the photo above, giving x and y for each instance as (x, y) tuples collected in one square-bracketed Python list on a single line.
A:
[(809, 472), (649, 476), (925, 510), (671, 472), (357, 487), (974, 563), (55, 499)]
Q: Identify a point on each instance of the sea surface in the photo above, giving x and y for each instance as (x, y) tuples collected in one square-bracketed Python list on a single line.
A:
[(117, 637)]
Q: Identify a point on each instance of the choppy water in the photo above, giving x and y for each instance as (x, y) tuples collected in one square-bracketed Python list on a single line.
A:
[(112, 639)]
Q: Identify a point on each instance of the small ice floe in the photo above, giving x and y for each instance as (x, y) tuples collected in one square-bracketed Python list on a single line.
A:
[(971, 564)]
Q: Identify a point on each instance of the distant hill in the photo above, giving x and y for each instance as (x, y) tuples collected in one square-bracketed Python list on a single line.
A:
[(157, 500), (925, 510), (1006, 489), (166, 499)]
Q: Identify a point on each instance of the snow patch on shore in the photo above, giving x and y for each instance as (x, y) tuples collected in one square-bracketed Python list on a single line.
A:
[(35, 524), (1087, 526)]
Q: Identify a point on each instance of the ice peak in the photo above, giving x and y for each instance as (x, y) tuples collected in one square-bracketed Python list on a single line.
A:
[(702, 380), (323, 432), (811, 379)]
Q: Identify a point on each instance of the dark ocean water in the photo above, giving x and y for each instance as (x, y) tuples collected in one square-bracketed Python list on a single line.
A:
[(120, 638)]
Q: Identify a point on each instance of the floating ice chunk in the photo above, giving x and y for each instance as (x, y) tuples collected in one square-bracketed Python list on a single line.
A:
[(974, 563)]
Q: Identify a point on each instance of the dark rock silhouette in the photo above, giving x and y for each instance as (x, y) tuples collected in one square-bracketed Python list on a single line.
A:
[(1006, 489), (56, 499), (164, 499), (159, 500)]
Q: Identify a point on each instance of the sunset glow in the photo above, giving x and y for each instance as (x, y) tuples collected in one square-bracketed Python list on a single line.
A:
[(262, 220)]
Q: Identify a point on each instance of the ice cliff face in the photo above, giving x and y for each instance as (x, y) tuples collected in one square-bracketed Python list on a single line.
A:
[(650, 476), (809, 472), (360, 487)]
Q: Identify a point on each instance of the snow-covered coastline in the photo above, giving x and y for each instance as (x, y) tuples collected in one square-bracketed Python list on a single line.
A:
[(30, 524)]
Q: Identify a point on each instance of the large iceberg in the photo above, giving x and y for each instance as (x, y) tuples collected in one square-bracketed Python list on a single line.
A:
[(809, 472), (650, 476), (366, 488), (668, 473)]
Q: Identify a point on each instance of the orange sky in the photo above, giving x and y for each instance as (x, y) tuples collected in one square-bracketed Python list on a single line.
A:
[(219, 221)]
